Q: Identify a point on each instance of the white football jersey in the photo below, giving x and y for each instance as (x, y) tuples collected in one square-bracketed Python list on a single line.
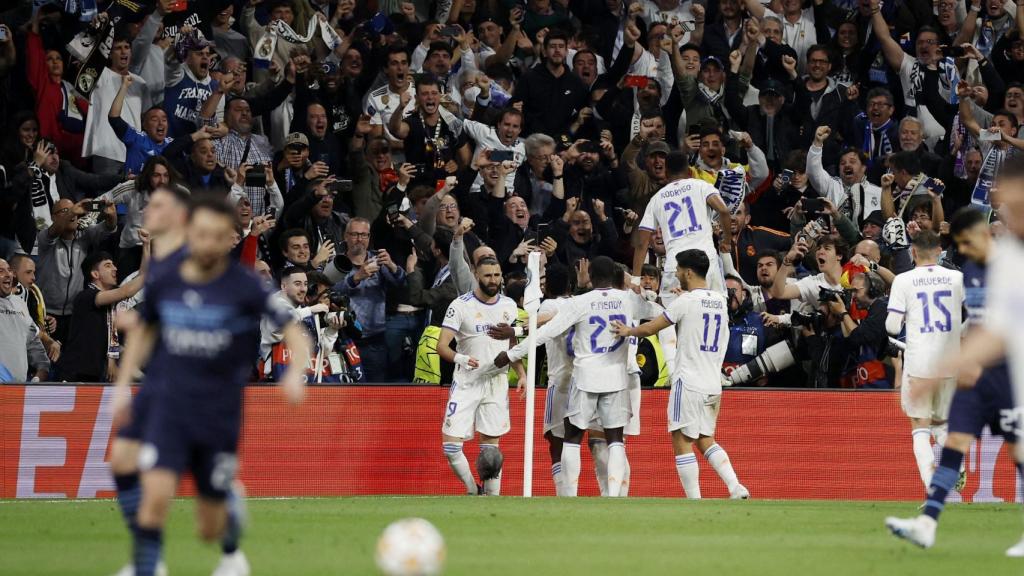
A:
[(382, 103), (931, 299), (1005, 314), (559, 361), (702, 336), (600, 358), (680, 209), (469, 318)]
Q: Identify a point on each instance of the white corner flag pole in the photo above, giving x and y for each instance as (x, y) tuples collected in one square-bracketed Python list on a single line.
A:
[(531, 302)]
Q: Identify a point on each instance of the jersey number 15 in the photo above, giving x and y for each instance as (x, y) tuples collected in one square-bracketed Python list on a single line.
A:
[(936, 301)]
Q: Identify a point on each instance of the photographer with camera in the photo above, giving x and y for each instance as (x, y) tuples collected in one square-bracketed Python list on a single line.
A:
[(865, 340), (747, 337)]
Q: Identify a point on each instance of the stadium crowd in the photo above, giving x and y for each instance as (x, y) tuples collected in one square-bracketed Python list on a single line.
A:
[(376, 150)]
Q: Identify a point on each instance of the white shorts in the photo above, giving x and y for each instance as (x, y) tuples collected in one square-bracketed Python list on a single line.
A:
[(632, 427), (694, 413), (480, 407), (555, 404), (932, 403), (610, 408)]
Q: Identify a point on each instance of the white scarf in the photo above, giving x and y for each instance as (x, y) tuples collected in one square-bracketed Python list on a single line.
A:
[(267, 44)]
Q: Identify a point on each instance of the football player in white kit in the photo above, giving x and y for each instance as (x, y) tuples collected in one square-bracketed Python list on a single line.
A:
[(559, 372), (1002, 336), (599, 380), (929, 300), (478, 400), (701, 317), (682, 211)]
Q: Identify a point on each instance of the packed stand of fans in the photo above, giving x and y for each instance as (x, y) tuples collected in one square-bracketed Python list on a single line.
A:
[(376, 149)]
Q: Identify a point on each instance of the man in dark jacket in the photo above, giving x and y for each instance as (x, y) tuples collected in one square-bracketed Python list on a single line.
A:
[(551, 94), (43, 181), (823, 101)]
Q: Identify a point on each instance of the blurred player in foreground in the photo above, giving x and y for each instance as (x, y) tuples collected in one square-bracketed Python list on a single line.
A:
[(928, 300), (1001, 336), (701, 317), (986, 402), (164, 219), (199, 331)]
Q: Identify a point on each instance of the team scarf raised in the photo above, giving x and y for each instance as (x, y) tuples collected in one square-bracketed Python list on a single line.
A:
[(986, 176), (949, 77), (884, 145), (267, 44)]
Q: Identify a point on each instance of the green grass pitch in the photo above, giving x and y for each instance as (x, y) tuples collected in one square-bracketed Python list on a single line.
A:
[(498, 536)]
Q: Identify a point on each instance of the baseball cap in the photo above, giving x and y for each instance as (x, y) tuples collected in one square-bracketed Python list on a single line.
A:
[(296, 139), (875, 218), (657, 147), (711, 60), (773, 86)]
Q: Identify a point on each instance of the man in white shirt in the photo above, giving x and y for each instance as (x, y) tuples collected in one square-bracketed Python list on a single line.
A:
[(851, 192), (100, 143), (384, 101), (830, 255)]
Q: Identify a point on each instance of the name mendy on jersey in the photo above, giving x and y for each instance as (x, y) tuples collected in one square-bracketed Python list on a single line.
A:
[(606, 305)]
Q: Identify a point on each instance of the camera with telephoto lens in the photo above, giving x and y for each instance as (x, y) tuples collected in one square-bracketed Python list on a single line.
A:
[(341, 302), (829, 295), (811, 319)]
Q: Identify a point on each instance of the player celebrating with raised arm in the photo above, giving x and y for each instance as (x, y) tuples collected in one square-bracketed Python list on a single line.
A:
[(202, 318), (985, 402), (929, 300), (701, 317), (599, 381), (681, 211), (478, 400)]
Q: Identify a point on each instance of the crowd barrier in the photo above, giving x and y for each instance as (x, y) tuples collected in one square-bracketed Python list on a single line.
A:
[(360, 440)]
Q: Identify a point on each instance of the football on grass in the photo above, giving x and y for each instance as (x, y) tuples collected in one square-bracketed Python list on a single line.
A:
[(410, 547)]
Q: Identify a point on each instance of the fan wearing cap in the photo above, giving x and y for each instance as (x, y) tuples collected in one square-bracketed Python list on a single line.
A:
[(772, 123), (188, 82), (703, 95), (293, 169)]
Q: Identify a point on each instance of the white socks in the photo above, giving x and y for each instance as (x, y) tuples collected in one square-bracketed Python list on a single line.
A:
[(492, 487), (556, 476), (940, 432), (924, 455), (719, 460), (570, 469), (689, 474), (616, 468), (459, 464), (624, 490), (599, 452)]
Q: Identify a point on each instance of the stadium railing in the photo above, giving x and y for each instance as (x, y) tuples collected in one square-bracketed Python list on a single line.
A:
[(362, 440)]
